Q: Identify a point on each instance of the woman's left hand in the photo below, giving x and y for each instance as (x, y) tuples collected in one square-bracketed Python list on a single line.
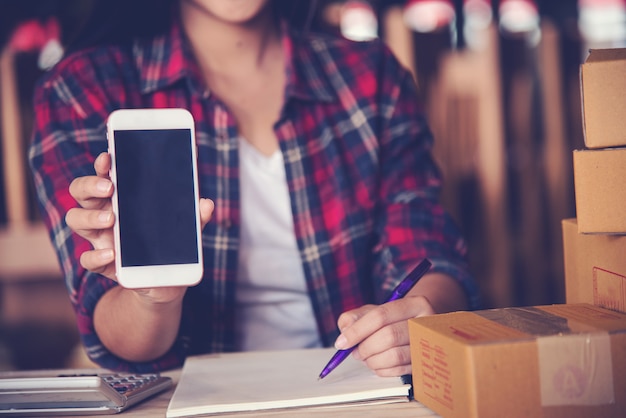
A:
[(382, 333)]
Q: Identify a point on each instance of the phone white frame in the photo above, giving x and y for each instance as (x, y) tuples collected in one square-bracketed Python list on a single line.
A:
[(157, 275)]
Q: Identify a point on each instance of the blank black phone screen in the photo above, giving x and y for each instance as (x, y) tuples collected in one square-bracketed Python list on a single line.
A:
[(156, 200)]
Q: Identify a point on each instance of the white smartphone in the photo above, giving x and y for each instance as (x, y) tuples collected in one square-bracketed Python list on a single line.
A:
[(155, 200)]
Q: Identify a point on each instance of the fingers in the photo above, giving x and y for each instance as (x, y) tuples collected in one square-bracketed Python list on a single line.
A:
[(93, 192), (384, 339), (89, 223), (95, 226), (381, 333), (102, 165), (359, 324), (99, 261), (348, 318), (394, 362), (206, 211), (367, 320), (387, 351), (94, 220)]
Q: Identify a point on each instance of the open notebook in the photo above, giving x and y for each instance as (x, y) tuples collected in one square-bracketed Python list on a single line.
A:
[(262, 380)]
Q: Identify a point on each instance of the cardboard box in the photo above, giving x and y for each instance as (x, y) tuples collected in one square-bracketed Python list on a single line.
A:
[(600, 188), (595, 267), (603, 88), (556, 361)]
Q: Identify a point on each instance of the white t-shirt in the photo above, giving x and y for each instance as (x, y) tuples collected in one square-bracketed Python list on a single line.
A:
[(273, 307)]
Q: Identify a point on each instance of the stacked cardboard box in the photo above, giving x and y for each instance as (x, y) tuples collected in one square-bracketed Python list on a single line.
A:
[(565, 361), (595, 242), (595, 267)]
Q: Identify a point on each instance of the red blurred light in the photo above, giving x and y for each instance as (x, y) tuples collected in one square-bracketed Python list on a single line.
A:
[(429, 15)]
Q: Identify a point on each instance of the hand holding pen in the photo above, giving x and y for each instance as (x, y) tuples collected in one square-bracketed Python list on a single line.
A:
[(399, 292)]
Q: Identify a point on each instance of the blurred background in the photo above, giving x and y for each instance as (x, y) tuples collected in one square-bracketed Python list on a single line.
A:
[(500, 83)]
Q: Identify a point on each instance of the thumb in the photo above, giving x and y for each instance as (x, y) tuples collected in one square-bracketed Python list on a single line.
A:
[(206, 211)]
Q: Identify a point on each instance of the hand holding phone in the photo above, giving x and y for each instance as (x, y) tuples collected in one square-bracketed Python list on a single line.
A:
[(157, 232), (92, 217)]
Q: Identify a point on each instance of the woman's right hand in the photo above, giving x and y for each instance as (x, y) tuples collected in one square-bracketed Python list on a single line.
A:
[(94, 219)]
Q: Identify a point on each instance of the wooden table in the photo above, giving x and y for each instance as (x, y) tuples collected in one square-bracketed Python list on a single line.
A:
[(156, 407)]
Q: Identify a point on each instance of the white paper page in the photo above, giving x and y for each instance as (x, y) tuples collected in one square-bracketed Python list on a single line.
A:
[(275, 379)]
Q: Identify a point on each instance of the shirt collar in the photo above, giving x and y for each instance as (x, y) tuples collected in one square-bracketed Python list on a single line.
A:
[(167, 59), (306, 78)]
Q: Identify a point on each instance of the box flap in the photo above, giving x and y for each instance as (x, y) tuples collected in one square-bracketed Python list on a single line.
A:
[(523, 323), (583, 317), (609, 54)]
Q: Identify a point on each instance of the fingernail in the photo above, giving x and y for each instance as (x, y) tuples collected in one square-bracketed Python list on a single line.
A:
[(106, 255), (103, 185), (104, 217), (340, 344)]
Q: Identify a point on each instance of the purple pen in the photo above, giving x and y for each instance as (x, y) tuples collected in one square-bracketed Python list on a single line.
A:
[(398, 293)]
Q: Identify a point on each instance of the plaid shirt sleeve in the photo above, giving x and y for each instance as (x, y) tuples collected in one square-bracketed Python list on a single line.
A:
[(414, 224), (364, 181), (69, 133)]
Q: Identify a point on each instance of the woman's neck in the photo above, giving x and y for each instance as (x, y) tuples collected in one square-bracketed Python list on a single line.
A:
[(223, 47)]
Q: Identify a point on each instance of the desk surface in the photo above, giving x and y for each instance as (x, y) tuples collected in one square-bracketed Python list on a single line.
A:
[(156, 407)]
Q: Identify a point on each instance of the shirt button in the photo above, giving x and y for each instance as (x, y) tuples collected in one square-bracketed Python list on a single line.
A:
[(206, 94)]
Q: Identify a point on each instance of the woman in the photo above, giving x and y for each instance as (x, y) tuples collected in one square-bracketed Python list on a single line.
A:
[(320, 190)]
